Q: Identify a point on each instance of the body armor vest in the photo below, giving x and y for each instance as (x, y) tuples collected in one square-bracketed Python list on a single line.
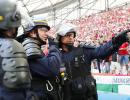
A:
[(14, 66), (77, 68), (76, 65), (32, 47)]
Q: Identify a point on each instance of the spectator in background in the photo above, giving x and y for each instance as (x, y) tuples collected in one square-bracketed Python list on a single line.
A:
[(115, 67), (124, 55)]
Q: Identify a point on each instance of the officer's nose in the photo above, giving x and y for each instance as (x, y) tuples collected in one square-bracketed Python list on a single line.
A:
[(71, 37), (48, 34)]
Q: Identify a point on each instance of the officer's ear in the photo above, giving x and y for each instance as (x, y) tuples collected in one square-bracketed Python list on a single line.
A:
[(61, 39)]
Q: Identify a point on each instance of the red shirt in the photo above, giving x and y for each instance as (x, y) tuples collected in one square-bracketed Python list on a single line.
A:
[(123, 50)]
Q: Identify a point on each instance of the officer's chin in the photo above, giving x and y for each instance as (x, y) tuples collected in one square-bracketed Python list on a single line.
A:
[(70, 46), (44, 42), (45, 39)]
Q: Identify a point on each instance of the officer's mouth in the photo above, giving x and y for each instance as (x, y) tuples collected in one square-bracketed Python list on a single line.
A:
[(71, 42)]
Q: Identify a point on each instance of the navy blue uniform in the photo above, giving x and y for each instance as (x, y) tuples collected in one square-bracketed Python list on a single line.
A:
[(44, 68), (7, 94), (80, 84)]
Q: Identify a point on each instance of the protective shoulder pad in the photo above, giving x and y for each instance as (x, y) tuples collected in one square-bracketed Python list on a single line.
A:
[(14, 64), (32, 47), (11, 48)]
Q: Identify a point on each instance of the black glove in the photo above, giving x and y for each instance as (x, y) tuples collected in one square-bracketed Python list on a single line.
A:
[(121, 38)]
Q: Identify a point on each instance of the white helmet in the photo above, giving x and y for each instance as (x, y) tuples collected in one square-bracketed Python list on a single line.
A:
[(63, 29), (36, 23)]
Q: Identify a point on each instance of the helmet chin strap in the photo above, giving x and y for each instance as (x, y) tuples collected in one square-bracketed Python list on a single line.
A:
[(15, 34), (38, 38)]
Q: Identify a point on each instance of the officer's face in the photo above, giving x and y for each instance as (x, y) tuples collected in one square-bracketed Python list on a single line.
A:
[(11, 33), (68, 38), (42, 31)]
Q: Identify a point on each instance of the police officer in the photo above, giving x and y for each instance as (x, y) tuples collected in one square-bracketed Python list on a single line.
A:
[(80, 85), (14, 72), (44, 60)]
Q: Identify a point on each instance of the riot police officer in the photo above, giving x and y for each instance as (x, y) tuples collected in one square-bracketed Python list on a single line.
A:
[(14, 72), (44, 60), (80, 85)]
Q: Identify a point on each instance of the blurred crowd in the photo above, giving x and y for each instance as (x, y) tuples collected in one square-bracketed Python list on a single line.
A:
[(103, 25)]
